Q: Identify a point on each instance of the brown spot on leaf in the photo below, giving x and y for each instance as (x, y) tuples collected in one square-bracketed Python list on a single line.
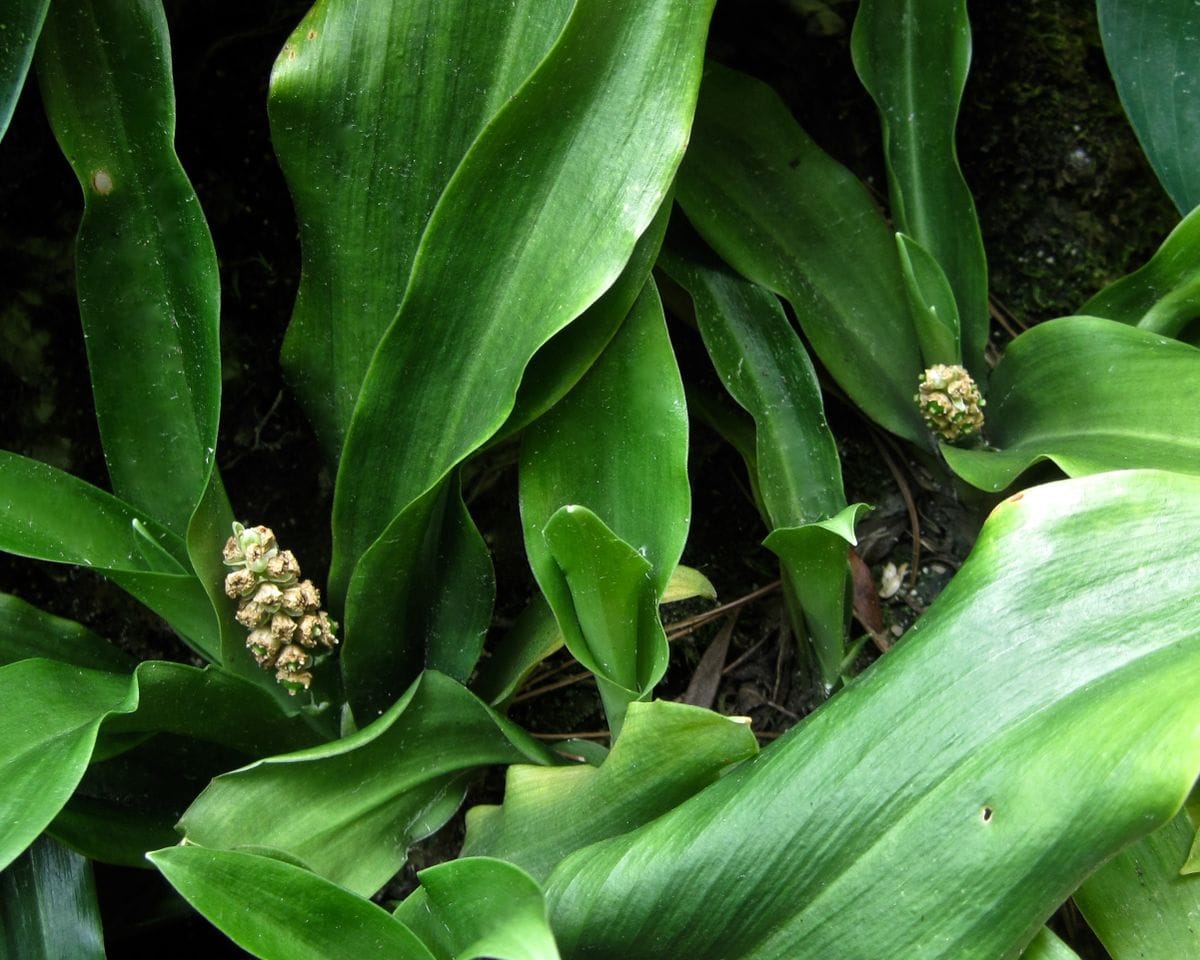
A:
[(102, 182)]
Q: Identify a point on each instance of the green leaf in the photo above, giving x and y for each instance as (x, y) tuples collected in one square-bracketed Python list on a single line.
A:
[(1153, 50), (1090, 395), (787, 216), (1139, 905), (1047, 946), (48, 906), (1036, 719), (666, 753), (26, 632), (18, 37), (934, 311), (277, 911), (537, 223), (796, 470), (913, 56), (480, 908), (147, 271), (408, 770), (50, 714), (47, 514), (368, 148), (437, 606), (687, 583), (1163, 295)]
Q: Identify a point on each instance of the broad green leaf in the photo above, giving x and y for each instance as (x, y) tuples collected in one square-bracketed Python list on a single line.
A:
[(277, 911), (48, 906), (1163, 295), (1139, 904), (666, 753), (797, 474), (605, 504), (934, 311), (787, 216), (476, 908), (435, 608), (368, 147), (146, 268), (26, 632), (1037, 719), (47, 514), (569, 354), (913, 56), (1047, 945), (536, 224), (18, 37), (1090, 395), (1153, 50), (50, 714), (407, 772)]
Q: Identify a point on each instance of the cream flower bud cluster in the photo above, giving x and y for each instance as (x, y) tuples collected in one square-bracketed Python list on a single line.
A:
[(282, 612), (950, 402)]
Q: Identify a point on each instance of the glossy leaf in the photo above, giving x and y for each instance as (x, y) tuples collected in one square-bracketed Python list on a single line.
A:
[(368, 149), (666, 753), (537, 223), (1153, 50), (476, 908), (913, 56), (48, 906), (26, 632), (934, 311), (1163, 295), (1036, 719), (278, 911), (798, 476), (1090, 395), (407, 768), (146, 268), (22, 23), (436, 605), (787, 216), (1139, 904), (50, 714), (605, 502), (47, 514)]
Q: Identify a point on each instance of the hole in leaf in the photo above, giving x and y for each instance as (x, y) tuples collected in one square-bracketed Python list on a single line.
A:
[(986, 814)]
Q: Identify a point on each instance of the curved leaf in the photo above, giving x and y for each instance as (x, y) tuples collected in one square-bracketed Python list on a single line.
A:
[(535, 225), (666, 753), (50, 714), (47, 514), (1153, 50), (147, 271), (1048, 946), (281, 912), (934, 310), (48, 906), (1163, 295), (787, 216), (27, 632), (913, 56), (475, 908), (367, 149), (408, 772), (21, 25), (1139, 905), (1091, 395), (1036, 719)]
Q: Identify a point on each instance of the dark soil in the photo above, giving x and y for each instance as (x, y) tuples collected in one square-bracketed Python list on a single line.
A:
[(1066, 201)]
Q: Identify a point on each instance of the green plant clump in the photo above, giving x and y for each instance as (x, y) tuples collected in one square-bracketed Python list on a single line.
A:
[(549, 250)]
